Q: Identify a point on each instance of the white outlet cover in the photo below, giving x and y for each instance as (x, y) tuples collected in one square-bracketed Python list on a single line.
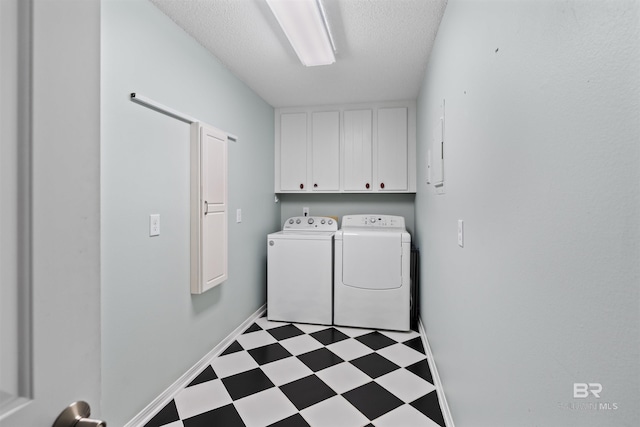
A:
[(154, 225)]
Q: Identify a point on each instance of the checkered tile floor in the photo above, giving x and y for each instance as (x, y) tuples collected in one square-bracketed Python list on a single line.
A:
[(283, 374)]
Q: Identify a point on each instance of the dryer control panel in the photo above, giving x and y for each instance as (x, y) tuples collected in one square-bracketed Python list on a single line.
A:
[(310, 223), (373, 221)]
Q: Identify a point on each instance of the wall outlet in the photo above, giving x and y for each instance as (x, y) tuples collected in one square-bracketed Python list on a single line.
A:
[(305, 211), (154, 225)]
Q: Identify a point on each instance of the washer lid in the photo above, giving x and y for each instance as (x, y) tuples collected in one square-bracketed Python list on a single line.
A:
[(302, 235), (372, 260)]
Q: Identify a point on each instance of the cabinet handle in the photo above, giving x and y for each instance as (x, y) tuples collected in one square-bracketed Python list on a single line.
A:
[(382, 185), (301, 186), (367, 185), (315, 185)]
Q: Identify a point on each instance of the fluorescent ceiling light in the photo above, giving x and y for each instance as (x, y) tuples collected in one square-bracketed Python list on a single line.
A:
[(304, 24)]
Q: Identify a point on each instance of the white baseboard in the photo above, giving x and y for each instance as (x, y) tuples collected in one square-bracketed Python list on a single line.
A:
[(163, 399), (442, 399)]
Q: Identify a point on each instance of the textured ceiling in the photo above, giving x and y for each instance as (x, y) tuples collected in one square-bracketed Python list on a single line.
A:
[(382, 48)]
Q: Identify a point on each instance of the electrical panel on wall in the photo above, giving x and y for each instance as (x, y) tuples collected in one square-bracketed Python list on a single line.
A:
[(435, 155), (209, 264), (437, 159)]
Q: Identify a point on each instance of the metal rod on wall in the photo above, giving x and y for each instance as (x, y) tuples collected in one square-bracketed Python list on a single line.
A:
[(156, 106), (142, 100)]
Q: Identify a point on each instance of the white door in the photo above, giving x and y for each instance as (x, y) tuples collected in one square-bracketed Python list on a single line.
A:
[(325, 143), (392, 149), (293, 152), (208, 207), (214, 190), (357, 150), (49, 209)]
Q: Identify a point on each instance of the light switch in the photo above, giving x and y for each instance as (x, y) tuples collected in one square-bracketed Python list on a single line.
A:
[(239, 215), (154, 225), (461, 233)]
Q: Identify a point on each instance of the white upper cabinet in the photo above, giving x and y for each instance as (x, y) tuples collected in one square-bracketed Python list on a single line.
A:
[(325, 144), (358, 150), (293, 152), (346, 148), (393, 149)]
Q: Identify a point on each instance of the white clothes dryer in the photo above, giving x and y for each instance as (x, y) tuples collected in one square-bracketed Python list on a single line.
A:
[(372, 284), (300, 271)]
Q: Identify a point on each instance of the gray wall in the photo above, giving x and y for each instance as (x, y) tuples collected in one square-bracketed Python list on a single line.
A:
[(543, 165), (348, 204), (153, 329)]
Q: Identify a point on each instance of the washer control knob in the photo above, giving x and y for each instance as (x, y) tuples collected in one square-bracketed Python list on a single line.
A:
[(372, 220), (310, 221), (330, 221), (298, 221), (322, 222), (291, 221)]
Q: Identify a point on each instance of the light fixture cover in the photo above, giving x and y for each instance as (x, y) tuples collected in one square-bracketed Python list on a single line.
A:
[(304, 24)]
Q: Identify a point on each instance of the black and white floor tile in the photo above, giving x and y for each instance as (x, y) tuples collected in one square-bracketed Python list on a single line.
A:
[(295, 375)]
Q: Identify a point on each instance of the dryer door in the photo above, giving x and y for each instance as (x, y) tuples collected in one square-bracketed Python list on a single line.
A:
[(372, 260)]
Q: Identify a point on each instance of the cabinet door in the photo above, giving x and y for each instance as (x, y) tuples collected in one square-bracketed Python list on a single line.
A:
[(293, 152), (208, 208), (392, 149), (357, 150), (325, 143)]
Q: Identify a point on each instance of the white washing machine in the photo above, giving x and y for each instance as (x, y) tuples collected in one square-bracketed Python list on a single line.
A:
[(372, 285), (300, 271)]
